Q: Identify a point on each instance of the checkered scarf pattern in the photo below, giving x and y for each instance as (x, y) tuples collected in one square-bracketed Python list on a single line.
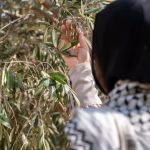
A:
[(133, 100), (87, 129)]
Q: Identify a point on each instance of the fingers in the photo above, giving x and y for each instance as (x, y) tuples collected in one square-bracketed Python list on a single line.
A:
[(68, 25), (71, 30), (66, 31), (82, 40), (68, 35), (63, 30)]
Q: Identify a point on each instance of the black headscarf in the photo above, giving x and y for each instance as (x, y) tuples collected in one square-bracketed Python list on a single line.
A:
[(121, 41)]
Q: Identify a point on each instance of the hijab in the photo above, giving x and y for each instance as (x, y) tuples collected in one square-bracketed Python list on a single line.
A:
[(121, 42)]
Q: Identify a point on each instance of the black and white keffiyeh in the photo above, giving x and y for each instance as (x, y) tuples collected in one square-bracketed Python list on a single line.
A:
[(131, 99)]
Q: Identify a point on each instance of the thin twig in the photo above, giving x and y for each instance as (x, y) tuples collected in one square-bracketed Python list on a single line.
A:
[(14, 21), (46, 15), (8, 62), (12, 16), (2, 39)]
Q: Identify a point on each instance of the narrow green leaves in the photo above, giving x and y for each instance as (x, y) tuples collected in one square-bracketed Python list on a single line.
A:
[(13, 81), (50, 80), (55, 37), (4, 118), (66, 47), (40, 87), (59, 77)]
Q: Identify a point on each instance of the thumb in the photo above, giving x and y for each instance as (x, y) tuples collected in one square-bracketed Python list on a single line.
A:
[(82, 40)]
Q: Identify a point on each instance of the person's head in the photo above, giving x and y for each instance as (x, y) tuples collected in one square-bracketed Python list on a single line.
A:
[(121, 43)]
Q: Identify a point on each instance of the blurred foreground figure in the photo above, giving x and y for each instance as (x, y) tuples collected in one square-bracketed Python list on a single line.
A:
[(121, 68)]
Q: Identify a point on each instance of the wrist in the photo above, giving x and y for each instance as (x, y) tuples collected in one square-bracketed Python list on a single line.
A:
[(78, 67)]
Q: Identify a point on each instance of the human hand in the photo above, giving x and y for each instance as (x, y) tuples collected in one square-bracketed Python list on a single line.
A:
[(81, 49)]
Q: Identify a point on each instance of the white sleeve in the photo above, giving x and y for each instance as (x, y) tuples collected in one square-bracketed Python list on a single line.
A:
[(84, 85)]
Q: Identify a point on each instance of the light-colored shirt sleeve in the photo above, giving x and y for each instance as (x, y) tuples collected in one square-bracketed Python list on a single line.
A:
[(83, 84)]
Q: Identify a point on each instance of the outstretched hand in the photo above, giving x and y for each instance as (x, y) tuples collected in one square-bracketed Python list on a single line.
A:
[(81, 48)]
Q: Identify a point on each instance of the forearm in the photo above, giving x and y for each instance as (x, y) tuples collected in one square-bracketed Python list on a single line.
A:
[(84, 86)]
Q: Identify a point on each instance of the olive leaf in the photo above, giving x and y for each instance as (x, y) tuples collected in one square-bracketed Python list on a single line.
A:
[(55, 37)]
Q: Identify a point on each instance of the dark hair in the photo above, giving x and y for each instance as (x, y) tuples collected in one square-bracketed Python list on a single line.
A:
[(121, 41)]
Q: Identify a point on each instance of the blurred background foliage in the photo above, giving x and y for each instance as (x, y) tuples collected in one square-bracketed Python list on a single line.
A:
[(35, 97)]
